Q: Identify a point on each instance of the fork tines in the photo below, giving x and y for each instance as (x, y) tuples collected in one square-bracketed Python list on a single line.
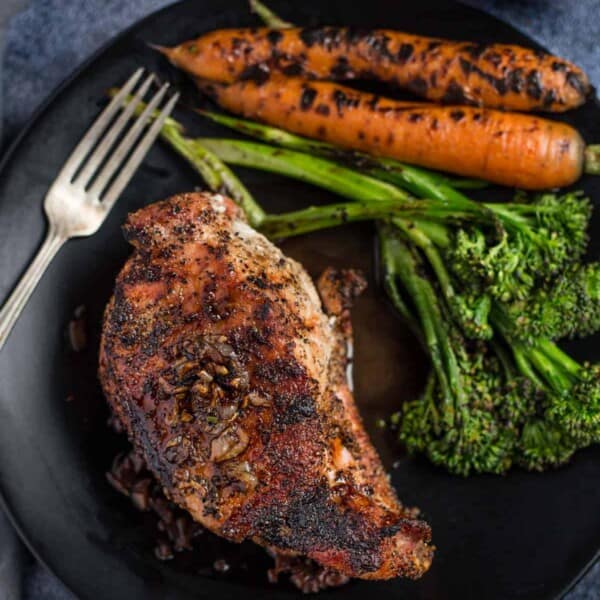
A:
[(96, 162)]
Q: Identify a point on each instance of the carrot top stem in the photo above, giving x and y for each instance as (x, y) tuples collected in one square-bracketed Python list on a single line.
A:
[(592, 160), (268, 16)]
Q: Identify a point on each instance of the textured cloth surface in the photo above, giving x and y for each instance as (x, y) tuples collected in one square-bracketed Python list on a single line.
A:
[(48, 39)]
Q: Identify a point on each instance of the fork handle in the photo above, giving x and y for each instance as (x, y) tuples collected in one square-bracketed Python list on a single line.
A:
[(20, 295)]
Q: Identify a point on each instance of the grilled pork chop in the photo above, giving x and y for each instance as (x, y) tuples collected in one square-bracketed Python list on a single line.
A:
[(230, 379)]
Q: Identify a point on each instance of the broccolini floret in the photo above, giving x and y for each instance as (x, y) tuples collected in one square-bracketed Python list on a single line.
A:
[(487, 287)]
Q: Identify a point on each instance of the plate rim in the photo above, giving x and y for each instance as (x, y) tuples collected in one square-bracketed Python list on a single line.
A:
[(7, 155)]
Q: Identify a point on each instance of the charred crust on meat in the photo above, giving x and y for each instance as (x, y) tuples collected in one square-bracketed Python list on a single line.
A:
[(347, 283), (298, 407), (311, 521), (248, 341), (229, 377), (258, 280), (279, 370), (263, 310)]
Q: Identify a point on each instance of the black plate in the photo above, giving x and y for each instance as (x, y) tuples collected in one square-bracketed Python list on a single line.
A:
[(520, 536)]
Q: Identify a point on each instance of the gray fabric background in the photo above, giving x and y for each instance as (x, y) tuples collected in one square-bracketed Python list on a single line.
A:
[(48, 39)]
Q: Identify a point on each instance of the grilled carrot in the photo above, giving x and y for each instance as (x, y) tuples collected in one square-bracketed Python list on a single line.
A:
[(513, 149), (495, 75)]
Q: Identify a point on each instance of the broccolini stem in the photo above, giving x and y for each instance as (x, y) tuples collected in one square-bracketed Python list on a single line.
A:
[(428, 397), (559, 357), (217, 176), (319, 171), (415, 179), (172, 134), (525, 367), (425, 184), (556, 368), (315, 218), (435, 231), (521, 208), (504, 359), (556, 378), (421, 240), (508, 215), (273, 135), (197, 156), (500, 323), (387, 243), (434, 329)]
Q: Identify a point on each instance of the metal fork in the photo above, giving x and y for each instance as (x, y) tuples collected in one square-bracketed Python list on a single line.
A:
[(91, 181)]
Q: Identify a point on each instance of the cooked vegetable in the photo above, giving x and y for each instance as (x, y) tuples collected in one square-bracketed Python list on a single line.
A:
[(571, 307), (536, 309), (488, 404), (387, 169), (495, 398), (217, 175), (300, 166), (523, 244), (507, 148), (483, 410), (494, 75)]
